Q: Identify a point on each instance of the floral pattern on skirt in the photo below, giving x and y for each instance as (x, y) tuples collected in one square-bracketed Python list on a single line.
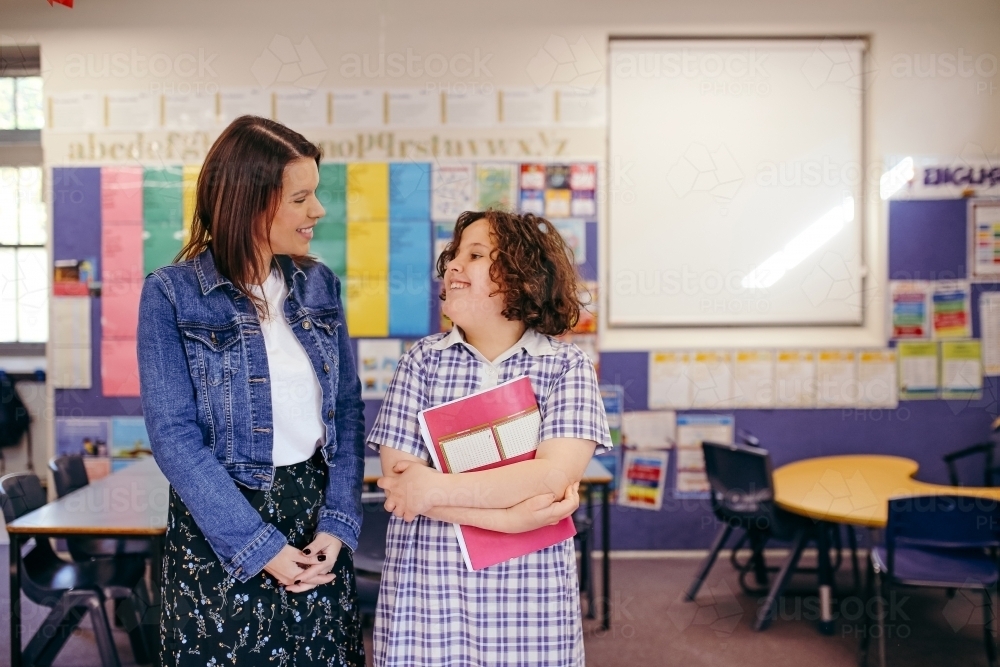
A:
[(210, 618)]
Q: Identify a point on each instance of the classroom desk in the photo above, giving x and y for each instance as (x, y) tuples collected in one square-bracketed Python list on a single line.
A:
[(595, 475), (131, 503), (853, 490)]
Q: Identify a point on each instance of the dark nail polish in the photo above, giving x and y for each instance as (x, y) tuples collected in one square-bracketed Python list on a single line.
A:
[(321, 558), (306, 551), (298, 581)]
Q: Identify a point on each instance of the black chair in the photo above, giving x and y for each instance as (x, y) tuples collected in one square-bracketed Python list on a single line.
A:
[(69, 474), (946, 542), (73, 589), (742, 496), (370, 555), (987, 468)]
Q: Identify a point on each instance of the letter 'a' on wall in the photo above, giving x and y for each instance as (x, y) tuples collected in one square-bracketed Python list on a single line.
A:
[(736, 182)]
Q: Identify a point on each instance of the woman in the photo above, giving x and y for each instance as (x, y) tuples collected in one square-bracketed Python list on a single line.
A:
[(254, 412)]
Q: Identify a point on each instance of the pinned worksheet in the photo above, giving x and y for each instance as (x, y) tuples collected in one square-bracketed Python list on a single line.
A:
[(650, 429), (712, 379), (670, 385), (753, 376), (877, 382), (359, 107), (918, 369), (302, 108), (795, 379), (453, 191), (961, 369), (989, 331), (836, 379), (236, 102)]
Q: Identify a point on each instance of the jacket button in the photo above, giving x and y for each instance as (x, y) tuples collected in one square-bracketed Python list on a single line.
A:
[(329, 414), (306, 324), (326, 368)]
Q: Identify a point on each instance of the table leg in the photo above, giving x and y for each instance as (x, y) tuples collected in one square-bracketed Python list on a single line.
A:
[(606, 561), (825, 578), (15, 599), (587, 561), (153, 616)]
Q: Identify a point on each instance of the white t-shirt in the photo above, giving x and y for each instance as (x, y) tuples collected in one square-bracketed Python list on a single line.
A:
[(296, 397)]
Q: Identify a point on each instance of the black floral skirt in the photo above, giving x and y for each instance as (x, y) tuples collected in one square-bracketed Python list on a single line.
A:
[(209, 618)]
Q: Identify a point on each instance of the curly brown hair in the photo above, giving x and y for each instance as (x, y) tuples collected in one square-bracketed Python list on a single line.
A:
[(532, 265)]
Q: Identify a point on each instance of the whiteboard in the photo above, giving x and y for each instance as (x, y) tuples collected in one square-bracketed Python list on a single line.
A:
[(735, 182)]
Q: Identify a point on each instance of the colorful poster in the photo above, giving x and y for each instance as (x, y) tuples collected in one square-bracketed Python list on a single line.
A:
[(367, 296), (984, 231), (189, 194), (918, 369), (613, 396), (692, 430), (587, 294), (877, 382), (377, 361), (452, 191), (86, 436), (367, 192), (497, 186), (532, 176), (574, 233), (410, 192), (409, 278), (557, 203), (129, 438), (644, 477), (961, 369), (329, 243), (533, 201), (121, 196), (909, 303), (119, 367), (951, 309)]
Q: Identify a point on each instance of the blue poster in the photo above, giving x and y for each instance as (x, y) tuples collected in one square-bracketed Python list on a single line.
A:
[(409, 192), (409, 278)]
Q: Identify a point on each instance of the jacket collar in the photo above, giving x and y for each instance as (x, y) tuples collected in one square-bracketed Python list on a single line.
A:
[(209, 277)]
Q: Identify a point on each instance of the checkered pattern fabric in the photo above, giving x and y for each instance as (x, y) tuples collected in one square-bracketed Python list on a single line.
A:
[(432, 611)]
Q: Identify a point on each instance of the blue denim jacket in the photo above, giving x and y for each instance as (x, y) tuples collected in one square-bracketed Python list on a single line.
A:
[(206, 397)]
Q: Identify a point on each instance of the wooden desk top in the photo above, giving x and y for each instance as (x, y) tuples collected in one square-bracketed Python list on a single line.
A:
[(130, 502), (133, 503), (855, 489)]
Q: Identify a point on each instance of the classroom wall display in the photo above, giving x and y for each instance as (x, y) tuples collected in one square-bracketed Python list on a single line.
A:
[(827, 378), (984, 237), (340, 108)]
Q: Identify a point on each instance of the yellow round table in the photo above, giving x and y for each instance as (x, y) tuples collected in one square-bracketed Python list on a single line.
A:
[(855, 489)]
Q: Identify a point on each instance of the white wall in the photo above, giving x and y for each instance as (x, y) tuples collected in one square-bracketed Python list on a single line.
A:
[(950, 109)]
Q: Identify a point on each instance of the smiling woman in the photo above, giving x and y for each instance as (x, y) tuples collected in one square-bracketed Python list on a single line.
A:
[(253, 407)]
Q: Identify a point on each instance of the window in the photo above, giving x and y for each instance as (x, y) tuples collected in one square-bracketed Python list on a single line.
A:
[(24, 261)]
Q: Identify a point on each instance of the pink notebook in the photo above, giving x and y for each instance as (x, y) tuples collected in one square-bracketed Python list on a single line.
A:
[(488, 429)]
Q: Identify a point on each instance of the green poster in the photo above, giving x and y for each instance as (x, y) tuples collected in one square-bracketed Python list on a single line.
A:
[(329, 242), (161, 196), (160, 244)]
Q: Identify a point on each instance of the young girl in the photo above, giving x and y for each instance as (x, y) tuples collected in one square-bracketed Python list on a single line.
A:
[(509, 285)]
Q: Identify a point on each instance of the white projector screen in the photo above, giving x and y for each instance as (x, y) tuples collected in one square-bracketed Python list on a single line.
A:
[(735, 182)]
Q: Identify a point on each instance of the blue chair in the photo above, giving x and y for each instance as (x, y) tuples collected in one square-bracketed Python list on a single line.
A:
[(941, 541)]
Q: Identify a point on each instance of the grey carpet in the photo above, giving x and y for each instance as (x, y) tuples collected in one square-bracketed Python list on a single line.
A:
[(652, 625)]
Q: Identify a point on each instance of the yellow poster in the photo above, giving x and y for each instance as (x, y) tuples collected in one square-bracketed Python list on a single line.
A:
[(368, 278), (367, 193), (189, 188)]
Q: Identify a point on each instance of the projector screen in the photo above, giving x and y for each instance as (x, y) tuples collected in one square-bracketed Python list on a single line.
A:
[(735, 182)]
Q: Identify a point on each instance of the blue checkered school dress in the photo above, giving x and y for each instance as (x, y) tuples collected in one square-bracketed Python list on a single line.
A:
[(433, 611)]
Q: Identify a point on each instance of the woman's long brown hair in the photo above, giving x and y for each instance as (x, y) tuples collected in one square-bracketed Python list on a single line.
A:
[(239, 191)]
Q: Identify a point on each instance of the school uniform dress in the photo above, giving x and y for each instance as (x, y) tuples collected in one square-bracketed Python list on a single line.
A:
[(432, 610)]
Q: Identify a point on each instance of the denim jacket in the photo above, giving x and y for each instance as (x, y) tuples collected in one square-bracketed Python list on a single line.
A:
[(206, 397)]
